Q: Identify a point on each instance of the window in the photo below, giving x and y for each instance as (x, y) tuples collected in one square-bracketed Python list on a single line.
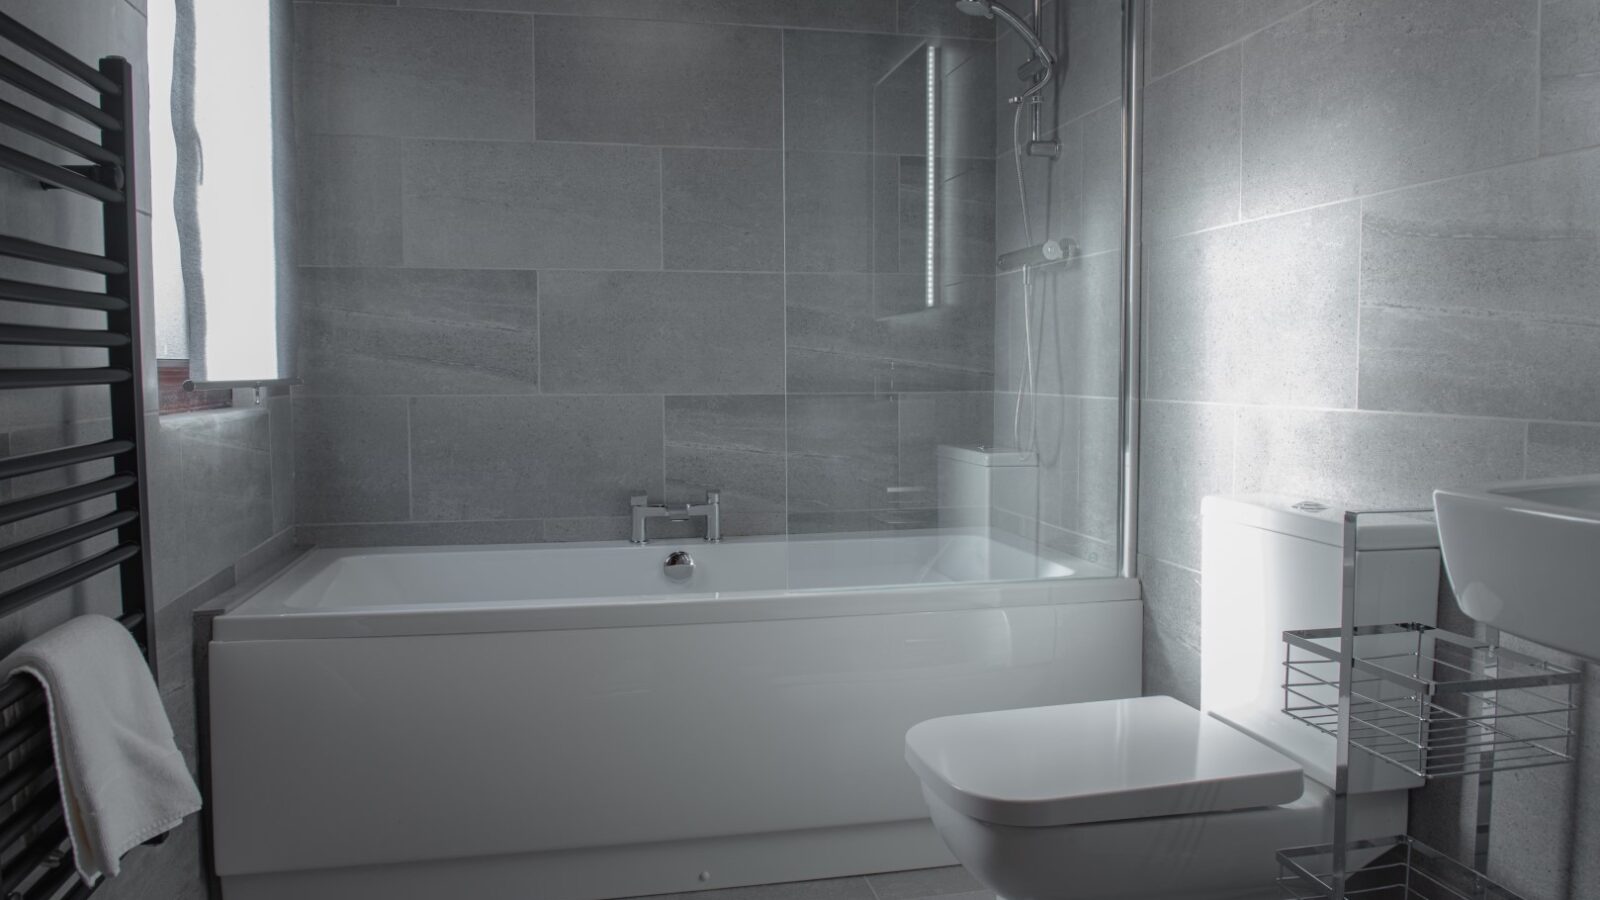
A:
[(214, 99)]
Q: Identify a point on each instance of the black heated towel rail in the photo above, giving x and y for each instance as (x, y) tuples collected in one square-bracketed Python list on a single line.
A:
[(67, 514)]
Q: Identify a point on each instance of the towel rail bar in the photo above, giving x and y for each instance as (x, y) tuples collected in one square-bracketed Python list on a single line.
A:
[(59, 176), (35, 336), (28, 507), (33, 251), (45, 130), (62, 538), (40, 588), (35, 43), (49, 295), (93, 522), (60, 98), (49, 378), (14, 466)]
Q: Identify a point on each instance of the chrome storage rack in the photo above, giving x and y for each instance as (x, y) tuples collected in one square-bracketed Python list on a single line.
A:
[(1433, 703)]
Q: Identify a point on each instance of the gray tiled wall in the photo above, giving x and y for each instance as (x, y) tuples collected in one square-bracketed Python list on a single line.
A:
[(1070, 416), (558, 252), (1371, 269), (221, 490)]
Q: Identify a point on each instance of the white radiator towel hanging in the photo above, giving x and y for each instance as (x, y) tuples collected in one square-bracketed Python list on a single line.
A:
[(122, 778)]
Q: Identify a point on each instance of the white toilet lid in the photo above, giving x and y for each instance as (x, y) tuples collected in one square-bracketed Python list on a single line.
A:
[(1097, 762)]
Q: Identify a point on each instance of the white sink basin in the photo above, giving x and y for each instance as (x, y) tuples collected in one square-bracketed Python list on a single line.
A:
[(1524, 557)]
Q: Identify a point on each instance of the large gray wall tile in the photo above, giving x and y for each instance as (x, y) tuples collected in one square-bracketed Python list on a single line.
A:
[(418, 331), (349, 201), (1479, 296), (834, 338), (1074, 326), (828, 86), (1420, 360), (1054, 189), (1188, 451), (1569, 60), (942, 18), (1519, 240), (847, 15), (350, 459), (476, 458), (1171, 629), (1349, 97), (511, 205), (843, 452), (1099, 465), (957, 333), (280, 408), (828, 212), (722, 210), (672, 332), (867, 93), (423, 534), (1263, 312), (1371, 459), (1556, 450), (1182, 31), (413, 72), (224, 487), (658, 83), (1191, 166), (1101, 227), (734, 444)]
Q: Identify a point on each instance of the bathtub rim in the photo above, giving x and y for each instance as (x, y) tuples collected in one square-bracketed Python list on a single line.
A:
[(244, 622)]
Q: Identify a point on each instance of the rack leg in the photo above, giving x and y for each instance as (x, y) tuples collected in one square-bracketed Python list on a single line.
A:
[(1491, 702), (1347, 651)]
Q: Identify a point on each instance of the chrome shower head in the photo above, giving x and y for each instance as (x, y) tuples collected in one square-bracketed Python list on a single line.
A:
[(991, 9)]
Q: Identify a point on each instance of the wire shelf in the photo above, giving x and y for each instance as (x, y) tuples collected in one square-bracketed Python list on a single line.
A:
[(1405, 869), (1434, 703)]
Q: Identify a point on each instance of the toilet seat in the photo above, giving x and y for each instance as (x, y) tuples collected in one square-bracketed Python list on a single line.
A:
[(1097, 762)]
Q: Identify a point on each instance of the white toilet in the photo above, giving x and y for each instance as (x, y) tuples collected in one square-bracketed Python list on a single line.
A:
[(1149, 798)]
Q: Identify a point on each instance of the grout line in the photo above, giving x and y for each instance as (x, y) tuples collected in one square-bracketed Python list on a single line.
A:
[(764, 26), (641, 145), (411, 493), (1527, 446), (1361, 250), (1538, 80), (1240, 216), (533, 77), (661, 206), (1244, 408), (538, 333), (1238, 40), (1377, 195), (783, 204)]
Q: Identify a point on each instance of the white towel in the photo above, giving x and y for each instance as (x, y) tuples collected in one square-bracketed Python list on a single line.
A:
[(122, 778)]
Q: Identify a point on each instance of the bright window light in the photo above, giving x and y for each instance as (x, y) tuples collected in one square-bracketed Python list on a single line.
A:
[(229, 246), (233, 113)]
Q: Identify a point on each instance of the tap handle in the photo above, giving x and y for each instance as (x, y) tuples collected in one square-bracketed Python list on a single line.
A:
[(639, 500)]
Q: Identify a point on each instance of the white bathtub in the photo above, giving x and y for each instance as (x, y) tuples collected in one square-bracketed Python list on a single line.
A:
[(561, 721)]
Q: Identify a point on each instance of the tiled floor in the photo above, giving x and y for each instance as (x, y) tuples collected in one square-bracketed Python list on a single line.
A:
[(952, 883)]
